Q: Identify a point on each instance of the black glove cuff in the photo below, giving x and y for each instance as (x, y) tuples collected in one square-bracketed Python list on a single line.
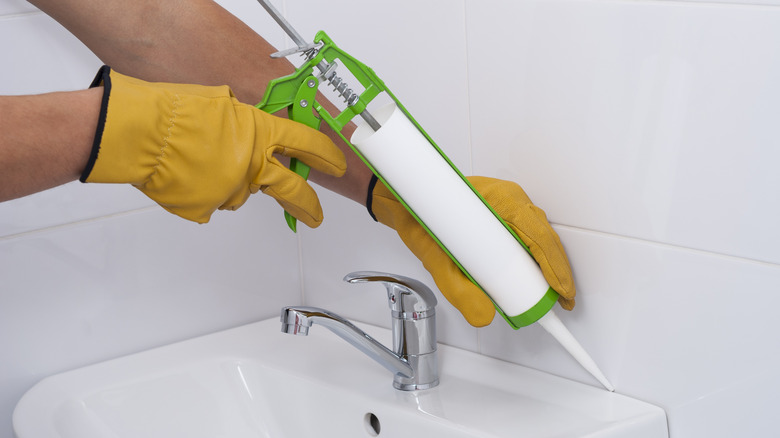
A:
[(102, 78), (370, 197)]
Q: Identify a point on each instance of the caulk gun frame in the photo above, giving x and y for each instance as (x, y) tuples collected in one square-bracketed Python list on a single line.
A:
[(282, 92)]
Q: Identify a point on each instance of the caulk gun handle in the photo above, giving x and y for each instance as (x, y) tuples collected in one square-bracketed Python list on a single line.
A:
[(298, 95), (302, 170)]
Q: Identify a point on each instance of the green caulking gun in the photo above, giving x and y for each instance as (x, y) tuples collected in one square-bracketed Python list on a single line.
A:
[(402, 155)]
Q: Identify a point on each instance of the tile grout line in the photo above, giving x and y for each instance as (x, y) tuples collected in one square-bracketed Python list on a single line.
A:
[(478, 333), (666, 245), (14, 15), (302, 288), (67, 225)]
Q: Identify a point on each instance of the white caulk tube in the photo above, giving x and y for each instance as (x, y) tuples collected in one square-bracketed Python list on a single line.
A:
[(436, 193)]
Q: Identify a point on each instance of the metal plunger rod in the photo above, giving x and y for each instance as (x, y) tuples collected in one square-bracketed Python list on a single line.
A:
[(296, 37), (300, 42)]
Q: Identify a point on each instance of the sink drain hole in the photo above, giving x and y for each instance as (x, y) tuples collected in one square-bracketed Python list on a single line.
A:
[(372, 424)]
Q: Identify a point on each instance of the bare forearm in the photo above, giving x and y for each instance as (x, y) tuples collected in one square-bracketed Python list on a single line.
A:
[(46, 139), (189, 41), (354, 183), (183, 41)]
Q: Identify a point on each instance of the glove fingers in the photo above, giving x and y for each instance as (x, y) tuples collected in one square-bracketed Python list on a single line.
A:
[(476, 307), (291, 191), (547, 249), (295, 140), (530, 223)]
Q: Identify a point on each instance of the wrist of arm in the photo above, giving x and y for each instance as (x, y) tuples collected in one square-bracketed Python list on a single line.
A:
[(46, 139)]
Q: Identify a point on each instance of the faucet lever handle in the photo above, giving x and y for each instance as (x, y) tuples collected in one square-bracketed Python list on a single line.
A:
[(408, 298)]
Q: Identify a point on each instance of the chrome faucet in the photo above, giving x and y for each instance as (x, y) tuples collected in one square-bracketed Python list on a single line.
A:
[(413, 359)]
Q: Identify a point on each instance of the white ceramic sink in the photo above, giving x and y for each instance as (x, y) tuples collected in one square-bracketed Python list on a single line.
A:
[(254, 381)]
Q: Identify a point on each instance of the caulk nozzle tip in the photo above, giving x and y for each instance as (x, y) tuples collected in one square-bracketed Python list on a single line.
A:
[(555, 327)]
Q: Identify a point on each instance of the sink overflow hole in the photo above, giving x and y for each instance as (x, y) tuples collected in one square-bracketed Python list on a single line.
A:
[(372, 424)]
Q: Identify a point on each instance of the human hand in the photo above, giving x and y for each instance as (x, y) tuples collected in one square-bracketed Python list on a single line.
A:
[(195, 149), (513, 205)]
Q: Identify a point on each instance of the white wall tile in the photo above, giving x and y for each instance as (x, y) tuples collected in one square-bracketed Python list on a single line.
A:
[(254, 16), (68, 203), (647, 119), (11, 7), (732, 2), (40, 56)]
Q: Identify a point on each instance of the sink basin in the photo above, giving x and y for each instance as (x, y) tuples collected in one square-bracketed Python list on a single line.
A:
[(254, 381)]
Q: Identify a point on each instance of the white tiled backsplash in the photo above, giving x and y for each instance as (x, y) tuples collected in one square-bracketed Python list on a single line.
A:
[(647, 130)]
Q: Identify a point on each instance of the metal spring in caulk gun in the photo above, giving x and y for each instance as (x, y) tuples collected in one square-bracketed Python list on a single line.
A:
[(350, 97)]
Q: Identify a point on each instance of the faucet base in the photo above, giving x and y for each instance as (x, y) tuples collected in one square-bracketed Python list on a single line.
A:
[(426, 375), (415, 386)]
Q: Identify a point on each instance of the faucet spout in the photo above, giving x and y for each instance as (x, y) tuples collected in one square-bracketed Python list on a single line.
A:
[(413, 359), (298, 320)]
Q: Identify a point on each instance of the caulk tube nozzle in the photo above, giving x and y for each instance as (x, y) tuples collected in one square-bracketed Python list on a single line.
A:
[(555, 327)]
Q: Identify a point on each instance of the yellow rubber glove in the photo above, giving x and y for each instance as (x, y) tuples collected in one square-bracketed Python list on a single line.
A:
[(513, 205), (195, 149)]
